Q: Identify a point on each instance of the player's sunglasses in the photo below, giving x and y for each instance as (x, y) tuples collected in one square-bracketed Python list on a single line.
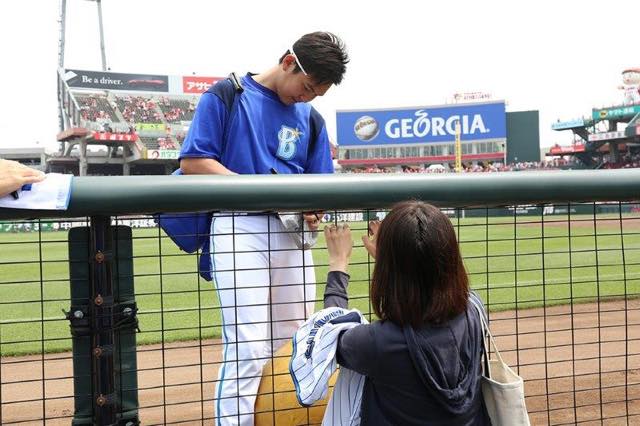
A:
[(297, 61)]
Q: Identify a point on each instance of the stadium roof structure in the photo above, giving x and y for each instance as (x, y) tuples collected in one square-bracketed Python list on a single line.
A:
[(126, 119), (599, 133), (138, 118)]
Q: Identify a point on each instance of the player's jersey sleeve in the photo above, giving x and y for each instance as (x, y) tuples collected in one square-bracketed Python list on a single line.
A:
[(206, 132), (319, 155)]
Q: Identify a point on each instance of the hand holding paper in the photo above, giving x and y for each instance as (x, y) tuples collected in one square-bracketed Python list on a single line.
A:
[(47, 192), (14, 175)]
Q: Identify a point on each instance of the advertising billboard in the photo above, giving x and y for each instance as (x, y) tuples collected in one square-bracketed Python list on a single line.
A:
[(115, 137), (198, 85), (151, 127), (162, 154), (169, 84), (561, 150), (432, 124), (606, 136), (570, 124), (615, 113), (116, 81)]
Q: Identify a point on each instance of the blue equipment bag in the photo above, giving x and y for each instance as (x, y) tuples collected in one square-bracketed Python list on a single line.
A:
[(192, 231)]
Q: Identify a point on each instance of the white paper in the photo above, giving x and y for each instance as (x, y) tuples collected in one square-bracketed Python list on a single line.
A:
[(50, 194)]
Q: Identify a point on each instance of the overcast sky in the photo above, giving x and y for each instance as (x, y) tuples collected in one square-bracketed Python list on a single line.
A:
[(560, 58)]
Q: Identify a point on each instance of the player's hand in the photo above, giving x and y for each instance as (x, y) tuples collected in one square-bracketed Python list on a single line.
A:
[(313, 219), (13, 175), (369, 240), (339, 245)]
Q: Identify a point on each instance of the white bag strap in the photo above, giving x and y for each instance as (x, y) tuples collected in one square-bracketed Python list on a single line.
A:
[(486, 331)]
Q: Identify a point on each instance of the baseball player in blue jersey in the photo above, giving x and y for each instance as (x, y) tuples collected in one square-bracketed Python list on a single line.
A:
[(266, 285)]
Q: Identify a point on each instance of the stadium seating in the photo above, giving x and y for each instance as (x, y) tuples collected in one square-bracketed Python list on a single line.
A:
[(139, 109), (471, 168), (159, 143), (96, 108), (176, 110)]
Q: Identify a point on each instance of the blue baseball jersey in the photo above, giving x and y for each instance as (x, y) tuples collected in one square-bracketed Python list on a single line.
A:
[(261, 133)]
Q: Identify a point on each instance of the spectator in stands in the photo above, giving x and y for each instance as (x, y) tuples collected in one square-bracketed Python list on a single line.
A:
[(275, 130), (467, 168), (13, 175)]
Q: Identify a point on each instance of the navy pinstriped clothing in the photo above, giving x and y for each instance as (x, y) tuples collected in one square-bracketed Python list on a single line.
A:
[(427, 376)]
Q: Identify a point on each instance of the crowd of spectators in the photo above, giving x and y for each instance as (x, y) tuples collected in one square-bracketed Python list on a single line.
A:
[(175, 110), (97, 109), (467, 168), (139, 109), (158, 143), (166, 143), (628, 161)]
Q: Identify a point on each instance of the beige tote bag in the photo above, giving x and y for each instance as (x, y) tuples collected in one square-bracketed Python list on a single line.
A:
[(502, 388)]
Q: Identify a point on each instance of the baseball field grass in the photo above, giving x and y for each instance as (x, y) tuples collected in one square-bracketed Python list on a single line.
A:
[(512, 262)]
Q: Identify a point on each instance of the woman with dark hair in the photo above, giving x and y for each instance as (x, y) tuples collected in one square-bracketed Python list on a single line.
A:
[(422, 359)]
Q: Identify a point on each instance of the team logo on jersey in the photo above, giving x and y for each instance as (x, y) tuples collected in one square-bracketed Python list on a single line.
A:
[(288, 138)]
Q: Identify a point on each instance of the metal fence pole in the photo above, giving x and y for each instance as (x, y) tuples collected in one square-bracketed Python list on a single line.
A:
[(103, 320), (102, 332)]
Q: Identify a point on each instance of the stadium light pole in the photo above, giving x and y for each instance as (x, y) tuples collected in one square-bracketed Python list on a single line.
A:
[(458, 149), (62, 19), (504, 153), (61, 43), (102, 50)]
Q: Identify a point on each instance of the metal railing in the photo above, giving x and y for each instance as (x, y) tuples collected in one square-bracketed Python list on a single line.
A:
[(554, 255)]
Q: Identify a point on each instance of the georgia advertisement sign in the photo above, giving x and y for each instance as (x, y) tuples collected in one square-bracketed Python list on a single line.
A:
[(422, 124)]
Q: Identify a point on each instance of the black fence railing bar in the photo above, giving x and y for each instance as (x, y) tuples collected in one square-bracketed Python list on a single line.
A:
[(561, 281)]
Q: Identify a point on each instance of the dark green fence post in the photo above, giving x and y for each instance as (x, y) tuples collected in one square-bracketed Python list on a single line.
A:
[(101, 313), (103, 322)]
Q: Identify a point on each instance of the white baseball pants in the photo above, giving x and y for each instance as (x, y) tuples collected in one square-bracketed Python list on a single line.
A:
[(266, 287)]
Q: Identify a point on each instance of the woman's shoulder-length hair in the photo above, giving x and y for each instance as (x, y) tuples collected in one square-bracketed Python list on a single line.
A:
[(419, 278)]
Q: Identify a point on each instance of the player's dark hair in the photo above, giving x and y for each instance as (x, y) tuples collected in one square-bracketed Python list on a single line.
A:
[(419, 277), (322, 55)]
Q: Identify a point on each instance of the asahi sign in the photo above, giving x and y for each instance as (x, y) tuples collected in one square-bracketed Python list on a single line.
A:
[(422, 125), (198, 85)]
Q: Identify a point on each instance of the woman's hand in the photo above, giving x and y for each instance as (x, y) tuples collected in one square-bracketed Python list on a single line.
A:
[(339, 245), (369, 240)]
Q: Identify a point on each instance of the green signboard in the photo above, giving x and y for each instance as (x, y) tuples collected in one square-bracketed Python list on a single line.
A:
[(153, 127), (615, 113)]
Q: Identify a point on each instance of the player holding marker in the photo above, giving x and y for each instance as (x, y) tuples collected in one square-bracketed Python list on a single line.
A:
[(265, 283), (298, 227)]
